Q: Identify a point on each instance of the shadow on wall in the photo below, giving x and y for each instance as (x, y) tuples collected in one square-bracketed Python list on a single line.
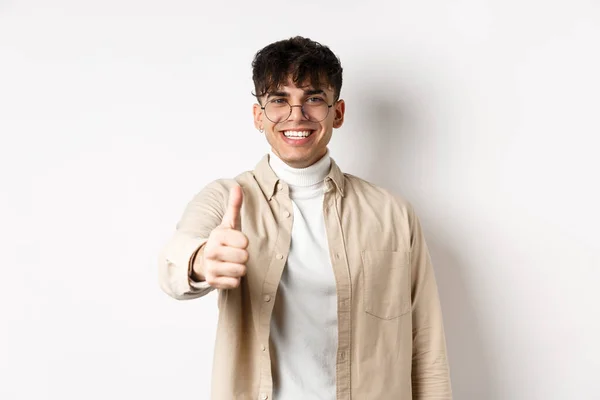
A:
[(395, 129)]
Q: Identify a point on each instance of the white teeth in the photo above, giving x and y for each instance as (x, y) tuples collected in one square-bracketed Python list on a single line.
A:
[(297, 134)]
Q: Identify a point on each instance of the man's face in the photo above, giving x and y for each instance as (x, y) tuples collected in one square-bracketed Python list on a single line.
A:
[(286, 136)]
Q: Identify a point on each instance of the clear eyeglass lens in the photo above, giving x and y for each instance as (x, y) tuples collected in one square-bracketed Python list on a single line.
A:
[(280, 110)]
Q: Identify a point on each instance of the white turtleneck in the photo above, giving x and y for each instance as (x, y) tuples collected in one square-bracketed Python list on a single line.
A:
[(303, 336)]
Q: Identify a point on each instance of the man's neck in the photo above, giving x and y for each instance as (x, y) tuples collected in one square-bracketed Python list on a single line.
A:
[(302, 177)]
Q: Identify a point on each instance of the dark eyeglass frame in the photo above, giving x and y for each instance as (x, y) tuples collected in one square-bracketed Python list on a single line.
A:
[(292, 110)]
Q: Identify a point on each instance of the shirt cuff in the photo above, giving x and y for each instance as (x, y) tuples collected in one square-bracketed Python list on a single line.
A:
[(177, 258)]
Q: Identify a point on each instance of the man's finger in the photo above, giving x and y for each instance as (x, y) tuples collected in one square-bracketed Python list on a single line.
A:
[(232, 217), (229, 269), (225, 282), (229, 254), (233, 238)]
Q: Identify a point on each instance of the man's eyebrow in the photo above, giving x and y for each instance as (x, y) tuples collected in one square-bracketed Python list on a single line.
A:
[(278, 94), (310, 92)]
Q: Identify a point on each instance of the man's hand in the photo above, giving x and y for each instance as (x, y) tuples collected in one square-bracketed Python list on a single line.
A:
[(223, 258)]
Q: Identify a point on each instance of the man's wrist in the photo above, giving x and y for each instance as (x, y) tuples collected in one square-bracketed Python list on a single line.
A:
[(197, 270)]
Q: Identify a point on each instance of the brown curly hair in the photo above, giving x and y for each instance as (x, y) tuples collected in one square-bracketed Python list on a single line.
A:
[(301, 59)]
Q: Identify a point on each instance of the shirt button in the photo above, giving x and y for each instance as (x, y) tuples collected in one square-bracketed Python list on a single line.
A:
[(280, 188), (267, 298), (287, 214), (280, 256), (337, 256), (264, 396), (262, 347)]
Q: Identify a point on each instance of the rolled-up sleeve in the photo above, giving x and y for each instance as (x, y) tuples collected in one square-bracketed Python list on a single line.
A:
[(430, 369), (201, 215)]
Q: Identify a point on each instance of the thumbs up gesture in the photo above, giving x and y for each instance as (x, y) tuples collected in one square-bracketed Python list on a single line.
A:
[(225, 254)]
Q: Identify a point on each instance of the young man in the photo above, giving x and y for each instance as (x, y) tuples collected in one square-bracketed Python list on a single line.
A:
[(326, 288)]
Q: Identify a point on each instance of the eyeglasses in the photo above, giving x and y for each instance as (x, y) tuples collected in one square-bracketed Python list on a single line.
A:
[(314, 109)]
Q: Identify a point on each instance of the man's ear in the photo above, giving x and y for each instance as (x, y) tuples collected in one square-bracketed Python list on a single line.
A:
[(258, 117), (339, 110)]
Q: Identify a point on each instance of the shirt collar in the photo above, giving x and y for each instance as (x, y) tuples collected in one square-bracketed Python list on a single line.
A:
[(268, 180)]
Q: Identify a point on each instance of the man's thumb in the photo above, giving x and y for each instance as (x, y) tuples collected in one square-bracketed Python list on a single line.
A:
[(232, 217)]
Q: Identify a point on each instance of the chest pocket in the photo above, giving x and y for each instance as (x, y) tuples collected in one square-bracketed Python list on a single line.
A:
[(387, 287)]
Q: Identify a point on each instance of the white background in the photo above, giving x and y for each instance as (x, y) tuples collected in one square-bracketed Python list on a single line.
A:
[(113, 114)]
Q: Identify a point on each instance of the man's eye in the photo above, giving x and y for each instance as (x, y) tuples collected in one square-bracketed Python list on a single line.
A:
[(278, 101), (315, 100)]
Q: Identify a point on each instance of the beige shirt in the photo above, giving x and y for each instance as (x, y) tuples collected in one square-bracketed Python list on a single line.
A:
[(391, 341)]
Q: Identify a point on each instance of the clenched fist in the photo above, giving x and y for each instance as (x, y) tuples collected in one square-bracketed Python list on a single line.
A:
[(222, 260)]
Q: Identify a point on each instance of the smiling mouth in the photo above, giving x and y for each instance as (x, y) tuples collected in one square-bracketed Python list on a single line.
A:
[(298, 135)]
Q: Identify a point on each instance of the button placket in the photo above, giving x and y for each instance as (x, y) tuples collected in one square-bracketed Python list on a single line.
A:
[(343, 282), (284, 220)]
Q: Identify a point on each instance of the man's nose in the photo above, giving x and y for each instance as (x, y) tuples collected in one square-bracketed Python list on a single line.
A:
[(297, 113)]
